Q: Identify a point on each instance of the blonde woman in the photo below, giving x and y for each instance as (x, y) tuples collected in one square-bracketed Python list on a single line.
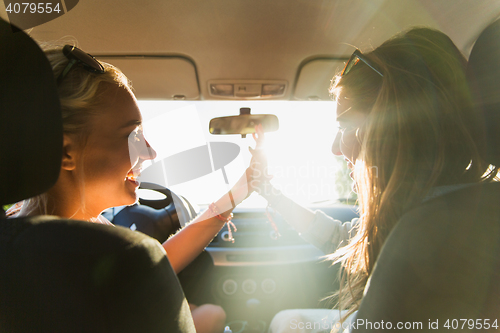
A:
[(103, 150), (412, 139)]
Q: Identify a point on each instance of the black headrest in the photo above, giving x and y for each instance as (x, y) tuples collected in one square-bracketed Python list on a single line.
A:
[(30, 118), (483, 73)]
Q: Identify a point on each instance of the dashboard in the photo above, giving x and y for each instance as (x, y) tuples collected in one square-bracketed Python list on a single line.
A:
[(259, 275)]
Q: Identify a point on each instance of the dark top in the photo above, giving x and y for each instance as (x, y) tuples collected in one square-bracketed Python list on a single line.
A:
[(72, 276), (441, 262)]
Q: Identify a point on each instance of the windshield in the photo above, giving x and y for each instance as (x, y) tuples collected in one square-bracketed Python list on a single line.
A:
[(299, 153)]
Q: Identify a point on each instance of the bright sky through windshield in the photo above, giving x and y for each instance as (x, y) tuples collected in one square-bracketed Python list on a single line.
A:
[(299, 153)]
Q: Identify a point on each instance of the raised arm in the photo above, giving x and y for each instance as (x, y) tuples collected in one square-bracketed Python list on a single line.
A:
[(315, 227), (187, 244)]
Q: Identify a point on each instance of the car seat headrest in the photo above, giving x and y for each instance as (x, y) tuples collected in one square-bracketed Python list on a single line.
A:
[(483, 73), (30, 113)]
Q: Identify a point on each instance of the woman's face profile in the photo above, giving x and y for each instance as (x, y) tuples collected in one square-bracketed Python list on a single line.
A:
[(115, 150), (347, 142)]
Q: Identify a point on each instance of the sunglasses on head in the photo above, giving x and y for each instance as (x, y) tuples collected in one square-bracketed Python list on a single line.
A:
[(79, 57), (354, 59)]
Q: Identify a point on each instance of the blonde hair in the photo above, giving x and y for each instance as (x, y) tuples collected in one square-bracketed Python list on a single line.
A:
[(420, 132), (81, 95)]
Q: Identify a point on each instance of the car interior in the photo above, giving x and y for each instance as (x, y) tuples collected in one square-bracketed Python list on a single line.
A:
[(205, 73)]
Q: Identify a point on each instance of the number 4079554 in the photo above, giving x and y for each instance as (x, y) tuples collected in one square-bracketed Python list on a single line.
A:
[(32, 7), (470, 324)]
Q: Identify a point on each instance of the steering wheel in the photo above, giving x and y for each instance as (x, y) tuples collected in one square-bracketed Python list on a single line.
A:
[(158, 218)]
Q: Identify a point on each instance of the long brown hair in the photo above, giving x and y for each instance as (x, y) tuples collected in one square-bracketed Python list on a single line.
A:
[(420, 132)]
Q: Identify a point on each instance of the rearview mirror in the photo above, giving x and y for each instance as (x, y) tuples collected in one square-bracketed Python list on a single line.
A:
[(243, 124)]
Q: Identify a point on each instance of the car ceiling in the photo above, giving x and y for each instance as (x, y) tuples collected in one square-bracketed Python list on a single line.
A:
[(197, 41)]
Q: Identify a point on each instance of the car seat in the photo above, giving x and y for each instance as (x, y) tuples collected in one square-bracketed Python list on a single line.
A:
[(60, 275), (483, 73)]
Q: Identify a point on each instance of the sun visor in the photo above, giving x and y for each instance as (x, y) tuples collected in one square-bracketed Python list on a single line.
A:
[(315, 77), (159, 77)]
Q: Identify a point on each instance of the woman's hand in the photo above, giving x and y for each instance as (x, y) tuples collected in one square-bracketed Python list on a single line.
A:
[(257, 173), (255, 177)]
